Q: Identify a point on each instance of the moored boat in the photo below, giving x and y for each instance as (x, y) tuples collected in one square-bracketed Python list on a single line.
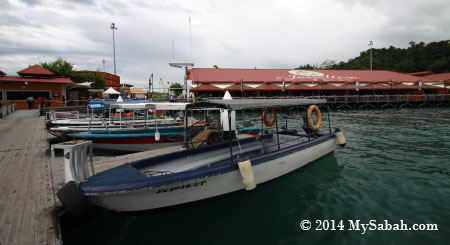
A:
[(199, 173), (118, 119)]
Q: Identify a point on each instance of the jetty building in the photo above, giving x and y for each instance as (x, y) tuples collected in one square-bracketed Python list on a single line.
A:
[(34, 81), (213, 82)]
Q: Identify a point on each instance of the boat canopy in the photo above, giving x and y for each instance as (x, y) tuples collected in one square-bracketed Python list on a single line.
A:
[(240, 104), (124, 105), (157, 106), (171, 106), (226, 104)]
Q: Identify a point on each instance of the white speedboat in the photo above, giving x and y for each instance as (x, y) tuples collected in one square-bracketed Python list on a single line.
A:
[(196, 174)]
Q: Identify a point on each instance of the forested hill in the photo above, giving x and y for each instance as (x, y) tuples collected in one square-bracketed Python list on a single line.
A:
[(434, 56)]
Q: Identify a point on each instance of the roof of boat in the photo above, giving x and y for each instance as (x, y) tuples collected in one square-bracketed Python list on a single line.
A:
[(150, 105), (239, 104)]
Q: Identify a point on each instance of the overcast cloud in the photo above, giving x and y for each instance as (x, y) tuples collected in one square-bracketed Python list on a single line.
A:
[(231, 34)]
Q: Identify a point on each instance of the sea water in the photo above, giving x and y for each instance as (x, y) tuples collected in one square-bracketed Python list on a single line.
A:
[(394, 170)]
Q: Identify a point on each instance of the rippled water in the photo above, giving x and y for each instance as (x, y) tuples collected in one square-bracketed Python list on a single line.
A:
[(396, 166)]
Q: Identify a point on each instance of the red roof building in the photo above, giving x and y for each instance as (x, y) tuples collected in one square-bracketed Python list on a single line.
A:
[(237, 87), (34, 81), (268, 86), (442, 77), (269, 82), (36, 71), (374, 86), (421, 74)]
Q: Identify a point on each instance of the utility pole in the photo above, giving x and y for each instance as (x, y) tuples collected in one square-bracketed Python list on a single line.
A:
[(113, 27), (370, 44)]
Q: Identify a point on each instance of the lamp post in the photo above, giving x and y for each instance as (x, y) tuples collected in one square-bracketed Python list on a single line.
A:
[(370, 44), (150, 85), (113, 27)]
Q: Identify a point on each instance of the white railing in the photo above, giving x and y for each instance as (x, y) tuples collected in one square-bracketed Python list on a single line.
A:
[(7, 110), (76, 154)]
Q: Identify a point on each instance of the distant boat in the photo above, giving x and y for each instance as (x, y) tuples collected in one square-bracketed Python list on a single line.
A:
[(200, 173), (136, 140), (117, 120)]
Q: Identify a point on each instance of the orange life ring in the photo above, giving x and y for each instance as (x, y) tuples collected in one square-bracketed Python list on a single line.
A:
[(311, 125), (274, 117), (159, 113)]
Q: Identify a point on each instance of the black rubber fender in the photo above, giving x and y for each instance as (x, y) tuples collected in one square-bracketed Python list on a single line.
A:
[(77, 203)]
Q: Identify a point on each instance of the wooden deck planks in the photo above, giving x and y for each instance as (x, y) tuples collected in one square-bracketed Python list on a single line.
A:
[(26, 189), (12, 179)]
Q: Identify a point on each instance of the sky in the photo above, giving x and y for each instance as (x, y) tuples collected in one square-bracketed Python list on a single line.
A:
[(265, 34)]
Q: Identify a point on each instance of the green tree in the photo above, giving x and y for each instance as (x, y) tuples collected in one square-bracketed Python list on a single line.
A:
[(62, 68), (97, 80), (434, 56), (176, 89), (304, 67)]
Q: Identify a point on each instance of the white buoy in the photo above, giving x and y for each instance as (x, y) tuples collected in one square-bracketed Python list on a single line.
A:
[(340, 137), (157, 135), (248, 178)]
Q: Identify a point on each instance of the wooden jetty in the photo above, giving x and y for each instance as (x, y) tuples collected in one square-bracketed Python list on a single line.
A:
[(27, 198)]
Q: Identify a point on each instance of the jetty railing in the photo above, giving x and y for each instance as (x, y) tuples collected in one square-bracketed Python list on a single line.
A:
[(374, 101), (388, 101), (7, 109)]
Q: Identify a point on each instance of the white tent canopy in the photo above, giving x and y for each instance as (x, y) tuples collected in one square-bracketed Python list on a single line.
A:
[(111, 91)]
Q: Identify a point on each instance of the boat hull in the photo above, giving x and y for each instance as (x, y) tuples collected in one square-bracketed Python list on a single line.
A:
[(196, 189)]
